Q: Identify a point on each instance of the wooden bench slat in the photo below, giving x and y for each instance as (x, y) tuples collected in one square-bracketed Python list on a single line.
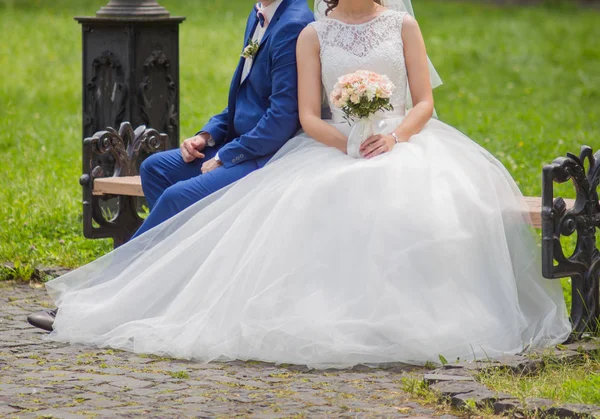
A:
[(535, 210), (126, 185), (132, 186)]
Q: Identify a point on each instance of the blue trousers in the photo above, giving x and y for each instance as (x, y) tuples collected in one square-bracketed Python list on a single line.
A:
[(171, 185)]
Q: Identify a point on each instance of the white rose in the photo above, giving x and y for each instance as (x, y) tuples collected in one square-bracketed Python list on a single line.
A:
[(371, 92)]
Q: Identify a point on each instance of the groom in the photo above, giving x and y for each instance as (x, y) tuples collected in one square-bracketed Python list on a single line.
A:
[(261, 115)]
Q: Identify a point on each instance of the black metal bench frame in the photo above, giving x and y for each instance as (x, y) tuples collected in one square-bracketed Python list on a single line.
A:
[(583, 265), (125, 147)]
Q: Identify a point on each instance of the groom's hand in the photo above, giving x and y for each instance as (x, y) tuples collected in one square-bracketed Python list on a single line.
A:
[(192, 147), (210, 165)]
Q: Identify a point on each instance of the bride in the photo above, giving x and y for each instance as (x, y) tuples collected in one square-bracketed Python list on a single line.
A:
[(419, 249)]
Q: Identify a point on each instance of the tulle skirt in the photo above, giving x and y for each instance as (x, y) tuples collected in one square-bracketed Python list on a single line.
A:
[(323, 260)]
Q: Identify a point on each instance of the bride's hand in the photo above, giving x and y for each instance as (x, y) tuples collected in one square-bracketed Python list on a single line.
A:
[(376, 145)]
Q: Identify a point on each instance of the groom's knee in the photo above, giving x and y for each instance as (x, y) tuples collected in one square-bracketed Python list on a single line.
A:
[(148, 168), (153, 180), (163, 161)]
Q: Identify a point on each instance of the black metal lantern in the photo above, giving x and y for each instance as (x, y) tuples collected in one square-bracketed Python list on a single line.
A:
[(130, 74)]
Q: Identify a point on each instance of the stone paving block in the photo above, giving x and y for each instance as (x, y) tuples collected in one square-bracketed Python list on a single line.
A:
[(507, 406), (102, 403), (573, 410), (434, 378), (6, 411), (264, 415), (106, 389), (463, 390), (54, 413), (143, 392), (124, 411), (15, 343), (146, 376), (6, 388), (195, 400), (130, 383), (589, 346), (171, 387), (19, 390)]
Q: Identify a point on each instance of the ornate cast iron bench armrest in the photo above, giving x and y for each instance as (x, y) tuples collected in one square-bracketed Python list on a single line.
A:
[(583, 219), (123, 148)]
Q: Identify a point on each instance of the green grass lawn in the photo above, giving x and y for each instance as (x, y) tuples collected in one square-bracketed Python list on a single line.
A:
[(574, 382), (522, 82)]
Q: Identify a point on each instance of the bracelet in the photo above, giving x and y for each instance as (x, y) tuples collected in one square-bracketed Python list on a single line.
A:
[(393, 134)]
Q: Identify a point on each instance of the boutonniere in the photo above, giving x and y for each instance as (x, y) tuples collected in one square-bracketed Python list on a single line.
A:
[(251, 50)]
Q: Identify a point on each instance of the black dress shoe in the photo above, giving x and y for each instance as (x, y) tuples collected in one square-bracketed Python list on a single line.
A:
[(43, 319)]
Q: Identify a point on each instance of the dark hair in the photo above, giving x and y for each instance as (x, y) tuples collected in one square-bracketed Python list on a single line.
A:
[(332, 4)]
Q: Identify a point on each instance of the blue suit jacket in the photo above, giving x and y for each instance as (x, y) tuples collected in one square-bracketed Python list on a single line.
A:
[(262, 112)]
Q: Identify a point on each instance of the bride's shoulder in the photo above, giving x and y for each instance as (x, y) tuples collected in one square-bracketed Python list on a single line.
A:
[(407, 19), (309, 37), (403, 17), (316, 25), (409, 25), (315, 30)]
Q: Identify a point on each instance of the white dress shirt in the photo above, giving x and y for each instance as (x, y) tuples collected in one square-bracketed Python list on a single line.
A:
[(259, 33)]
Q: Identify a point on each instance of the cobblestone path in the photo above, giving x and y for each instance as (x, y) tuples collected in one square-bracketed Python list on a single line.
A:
[(41, 379)]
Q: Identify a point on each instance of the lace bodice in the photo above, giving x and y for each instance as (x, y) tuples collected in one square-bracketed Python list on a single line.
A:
[(375, 46)]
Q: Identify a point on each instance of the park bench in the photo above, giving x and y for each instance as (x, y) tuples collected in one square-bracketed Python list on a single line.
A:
[(557, 217), (126, 144), (132, 186)]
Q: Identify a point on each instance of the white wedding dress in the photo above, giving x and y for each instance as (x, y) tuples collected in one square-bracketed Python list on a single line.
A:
[(324, 260)]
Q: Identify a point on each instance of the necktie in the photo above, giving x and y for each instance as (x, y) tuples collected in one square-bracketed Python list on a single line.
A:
[(261, 15)]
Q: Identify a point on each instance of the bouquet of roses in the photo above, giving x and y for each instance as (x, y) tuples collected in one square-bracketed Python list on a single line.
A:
[(361, 95)]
